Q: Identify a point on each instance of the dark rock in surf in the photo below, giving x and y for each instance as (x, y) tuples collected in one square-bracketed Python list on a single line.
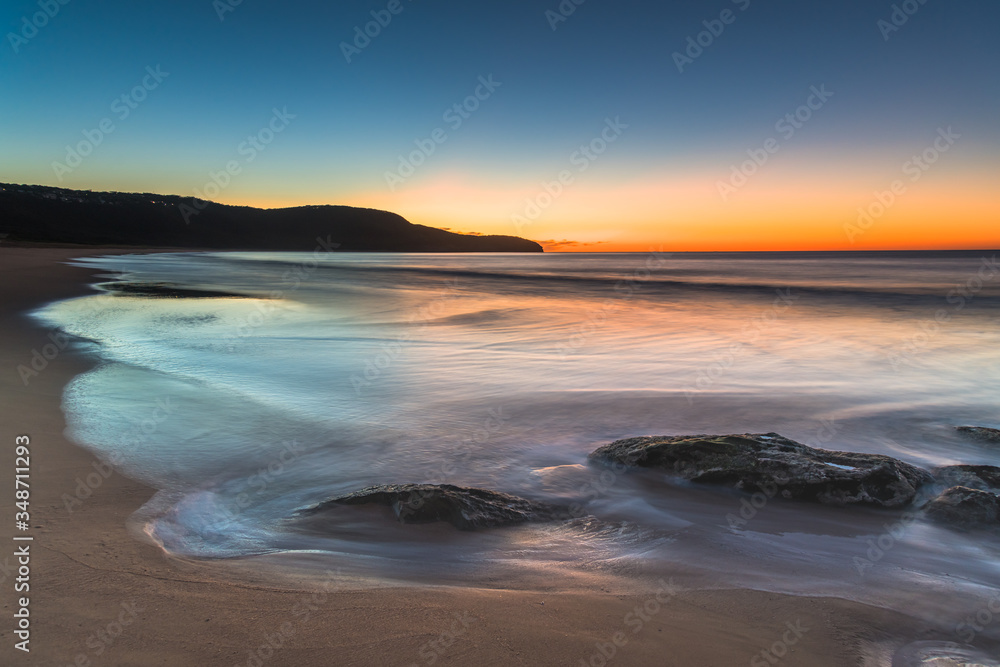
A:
[(981, 477), (980, 432), (963, 507), (166, 290), (465, 508), (775, 465)]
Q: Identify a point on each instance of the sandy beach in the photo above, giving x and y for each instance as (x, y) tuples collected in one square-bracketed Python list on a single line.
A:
[(101, 595)]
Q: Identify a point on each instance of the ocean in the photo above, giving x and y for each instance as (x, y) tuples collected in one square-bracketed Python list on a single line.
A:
[(299, 376)]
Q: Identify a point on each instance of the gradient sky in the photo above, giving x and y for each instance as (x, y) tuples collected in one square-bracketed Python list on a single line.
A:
[(656, 185)]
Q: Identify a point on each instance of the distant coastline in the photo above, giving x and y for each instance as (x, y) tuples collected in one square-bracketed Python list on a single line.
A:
[(42, 214)]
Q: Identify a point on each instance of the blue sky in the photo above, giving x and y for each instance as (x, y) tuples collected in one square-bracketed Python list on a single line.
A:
[(353, 120)]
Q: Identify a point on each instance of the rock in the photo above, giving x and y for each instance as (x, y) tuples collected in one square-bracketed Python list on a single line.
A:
[(775, 465), (982, 477), (464, 508), (167, 290), (965, 507), (980, 432)]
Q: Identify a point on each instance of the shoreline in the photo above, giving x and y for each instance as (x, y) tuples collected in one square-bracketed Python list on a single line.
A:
[(92, 576)]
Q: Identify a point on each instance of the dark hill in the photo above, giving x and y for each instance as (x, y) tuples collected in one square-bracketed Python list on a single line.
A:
[(55, 215)]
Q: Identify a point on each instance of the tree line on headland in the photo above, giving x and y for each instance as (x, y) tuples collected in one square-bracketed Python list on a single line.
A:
[(41, 214)]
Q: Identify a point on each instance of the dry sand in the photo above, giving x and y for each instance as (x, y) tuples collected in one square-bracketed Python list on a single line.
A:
[(89, 573)]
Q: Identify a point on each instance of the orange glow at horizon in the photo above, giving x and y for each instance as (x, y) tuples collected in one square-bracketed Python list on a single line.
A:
[(685, 212)]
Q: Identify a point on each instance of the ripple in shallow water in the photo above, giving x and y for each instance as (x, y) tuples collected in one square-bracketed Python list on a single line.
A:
[(941, 654)]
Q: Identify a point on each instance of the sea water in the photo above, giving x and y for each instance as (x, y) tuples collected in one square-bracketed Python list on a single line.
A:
[(325, 372)]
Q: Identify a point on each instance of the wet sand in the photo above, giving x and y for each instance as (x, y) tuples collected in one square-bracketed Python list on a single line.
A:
[(102, 595)]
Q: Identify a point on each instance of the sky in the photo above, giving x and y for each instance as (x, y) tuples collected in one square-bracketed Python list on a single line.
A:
[(598, 126)]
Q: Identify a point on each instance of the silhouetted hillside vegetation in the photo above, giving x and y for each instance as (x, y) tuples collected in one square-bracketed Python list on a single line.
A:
[(55, 215)]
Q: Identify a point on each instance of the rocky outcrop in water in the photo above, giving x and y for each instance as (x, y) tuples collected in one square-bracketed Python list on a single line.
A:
[(980, 432), (981, 477), (463, 507), (167, 290), (963, 507), (776, 465)]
